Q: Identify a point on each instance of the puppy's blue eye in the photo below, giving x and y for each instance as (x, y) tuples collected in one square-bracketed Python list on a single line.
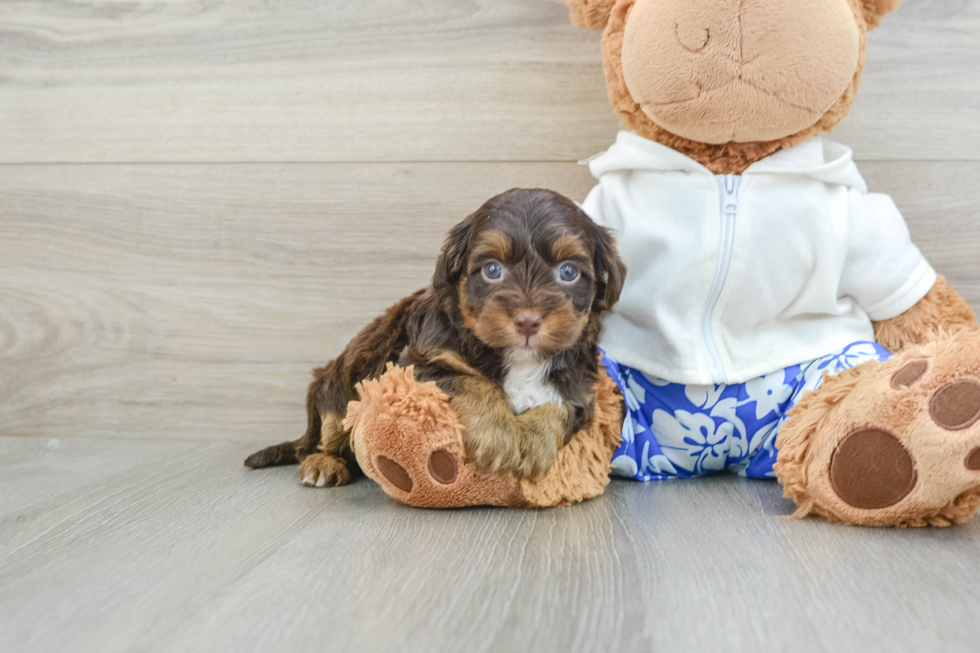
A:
[(567, 273), (493, 271)]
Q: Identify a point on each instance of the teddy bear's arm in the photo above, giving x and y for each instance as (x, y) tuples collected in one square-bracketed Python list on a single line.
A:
[(941, 310)]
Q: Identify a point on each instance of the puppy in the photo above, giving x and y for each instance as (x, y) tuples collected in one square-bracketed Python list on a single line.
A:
[(508, 330)]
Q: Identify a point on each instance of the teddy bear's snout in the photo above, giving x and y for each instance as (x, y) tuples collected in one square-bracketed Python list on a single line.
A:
[(775, 65)]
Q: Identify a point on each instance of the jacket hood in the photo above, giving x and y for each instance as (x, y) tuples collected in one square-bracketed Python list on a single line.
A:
[(817, 158)]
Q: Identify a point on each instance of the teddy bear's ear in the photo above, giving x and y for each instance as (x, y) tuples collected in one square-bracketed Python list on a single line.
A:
[(875, 9), (594, 14)]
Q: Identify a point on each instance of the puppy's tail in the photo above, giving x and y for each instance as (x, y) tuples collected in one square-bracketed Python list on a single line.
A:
[(289, 453), (279, 454)]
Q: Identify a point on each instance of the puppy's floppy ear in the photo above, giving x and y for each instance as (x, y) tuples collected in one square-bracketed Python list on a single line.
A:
[(609, 269), (874, 10), (452, 260), (593, 14)]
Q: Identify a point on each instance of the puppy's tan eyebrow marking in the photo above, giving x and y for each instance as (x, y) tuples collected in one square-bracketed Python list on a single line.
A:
[(492, 244), (454, 361), (568, 247)]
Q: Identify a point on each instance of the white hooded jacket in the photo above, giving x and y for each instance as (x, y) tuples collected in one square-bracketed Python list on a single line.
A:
[(735, 277)]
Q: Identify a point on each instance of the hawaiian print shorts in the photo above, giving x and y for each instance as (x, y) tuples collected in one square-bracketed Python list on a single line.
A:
[(679, 431)]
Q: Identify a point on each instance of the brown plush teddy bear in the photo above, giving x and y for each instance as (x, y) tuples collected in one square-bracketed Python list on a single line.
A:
[(776, 319)]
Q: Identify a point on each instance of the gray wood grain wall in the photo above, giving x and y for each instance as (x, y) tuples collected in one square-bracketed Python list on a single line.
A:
[(200, 200)]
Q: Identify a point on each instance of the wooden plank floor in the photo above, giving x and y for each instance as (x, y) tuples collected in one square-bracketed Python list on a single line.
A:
[(200, 200), (122, 545)]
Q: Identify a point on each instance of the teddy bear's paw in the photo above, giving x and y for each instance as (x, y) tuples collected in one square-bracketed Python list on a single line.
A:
[(323, 470), (407, 438), (901, 447), (440, 477)]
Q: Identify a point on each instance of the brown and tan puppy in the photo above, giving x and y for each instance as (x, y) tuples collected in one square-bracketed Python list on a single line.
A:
[(508, 330)]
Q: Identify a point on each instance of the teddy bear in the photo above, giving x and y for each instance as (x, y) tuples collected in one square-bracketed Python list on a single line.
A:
[(776, 322)]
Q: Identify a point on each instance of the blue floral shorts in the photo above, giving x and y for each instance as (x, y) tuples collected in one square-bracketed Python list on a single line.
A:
[(679, 431)]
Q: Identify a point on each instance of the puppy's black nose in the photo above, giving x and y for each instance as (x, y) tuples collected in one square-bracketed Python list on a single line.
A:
[(528, 324)]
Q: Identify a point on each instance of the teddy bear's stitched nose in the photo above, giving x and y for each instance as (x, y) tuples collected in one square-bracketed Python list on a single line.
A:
[(692, 37)]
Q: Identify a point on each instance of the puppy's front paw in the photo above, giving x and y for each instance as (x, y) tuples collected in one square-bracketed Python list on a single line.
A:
[(537, 456), (542, 431), (324, 470), (493, 453)]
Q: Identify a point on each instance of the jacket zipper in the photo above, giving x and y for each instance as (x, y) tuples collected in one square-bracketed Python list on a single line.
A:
[(729, 186)]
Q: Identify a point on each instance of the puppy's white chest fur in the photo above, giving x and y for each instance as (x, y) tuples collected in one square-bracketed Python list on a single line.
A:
[(526, 381)]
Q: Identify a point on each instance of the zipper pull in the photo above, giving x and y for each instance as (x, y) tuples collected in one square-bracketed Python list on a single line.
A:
[(731, 194)]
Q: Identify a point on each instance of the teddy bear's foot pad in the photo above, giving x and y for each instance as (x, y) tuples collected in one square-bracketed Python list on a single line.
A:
[(442, 468), (956, 406), (395, 473), (871, 469), (892, 444), (973, 460)]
